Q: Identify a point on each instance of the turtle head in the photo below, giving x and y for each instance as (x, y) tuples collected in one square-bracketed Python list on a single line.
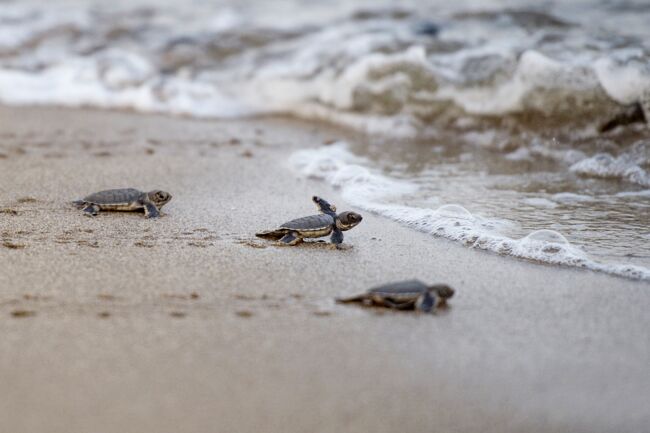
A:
[(159, 198), (348, 220), (442, 292), (323, 205)]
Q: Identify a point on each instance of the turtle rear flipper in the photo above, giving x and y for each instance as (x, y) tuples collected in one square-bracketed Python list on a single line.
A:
[(390, 303), (290, 238), (358, 298), (80, 204), (271, 234), (91, 209)]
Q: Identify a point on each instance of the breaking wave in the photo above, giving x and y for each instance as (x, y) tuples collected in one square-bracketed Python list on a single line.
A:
[(384, 70)]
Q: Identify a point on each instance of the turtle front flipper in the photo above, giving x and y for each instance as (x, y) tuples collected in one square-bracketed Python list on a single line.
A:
[(426, 302), (291, 238), (91, 209), (150, 210), (323, 206), (337, 236)]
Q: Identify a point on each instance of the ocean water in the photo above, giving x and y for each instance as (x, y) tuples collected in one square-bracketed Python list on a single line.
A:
[(516, 127)]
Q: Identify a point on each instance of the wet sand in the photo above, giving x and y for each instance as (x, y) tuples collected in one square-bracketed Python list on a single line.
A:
[(190, 323)]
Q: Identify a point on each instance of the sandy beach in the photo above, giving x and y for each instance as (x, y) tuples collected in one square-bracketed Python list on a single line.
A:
[(190, 323)]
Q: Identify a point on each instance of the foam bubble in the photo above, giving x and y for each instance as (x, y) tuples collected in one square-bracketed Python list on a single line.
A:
[(454, 211), (548, 236)]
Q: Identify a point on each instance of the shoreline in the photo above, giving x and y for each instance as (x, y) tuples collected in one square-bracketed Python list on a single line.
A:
[(339, 168), (138, 323)]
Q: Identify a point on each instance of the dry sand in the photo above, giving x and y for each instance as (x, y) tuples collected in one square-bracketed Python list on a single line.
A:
[(190, 324)]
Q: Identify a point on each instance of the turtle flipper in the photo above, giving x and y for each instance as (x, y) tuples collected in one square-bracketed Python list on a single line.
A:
[(390, 303), (91, 209), (358, 298), (271, 234), (151, 211), (290, 238), (337, 236), (426, 302), (80, 204), (323, 206)]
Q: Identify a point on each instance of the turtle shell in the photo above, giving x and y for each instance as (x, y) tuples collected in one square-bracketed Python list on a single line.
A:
[(403, 290), (114, 196), (310, 224), (409, 290)]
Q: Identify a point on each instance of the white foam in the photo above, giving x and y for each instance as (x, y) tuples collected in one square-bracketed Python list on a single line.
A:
[(604, 165), (84, 82), (341, 169), (642, 193), (570, 197), (538, 83), (624, 81), (374, 75), (521, 154), (379, 194), (540, 202)]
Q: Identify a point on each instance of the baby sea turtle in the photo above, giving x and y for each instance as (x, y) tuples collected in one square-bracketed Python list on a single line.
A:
[(126, 199), (315, 226), (405, 295)]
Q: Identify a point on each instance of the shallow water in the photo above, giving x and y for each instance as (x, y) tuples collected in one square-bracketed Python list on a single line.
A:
[(548, 214), (493, 106), (608, 217)]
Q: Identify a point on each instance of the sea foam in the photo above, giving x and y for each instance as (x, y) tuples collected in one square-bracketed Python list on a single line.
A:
[(374, 192), (377, 73), (623, 167)]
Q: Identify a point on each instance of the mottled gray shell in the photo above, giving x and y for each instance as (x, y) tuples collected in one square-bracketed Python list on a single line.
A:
[(314, 226), (114, 196), (309, 223), (400, 291)]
